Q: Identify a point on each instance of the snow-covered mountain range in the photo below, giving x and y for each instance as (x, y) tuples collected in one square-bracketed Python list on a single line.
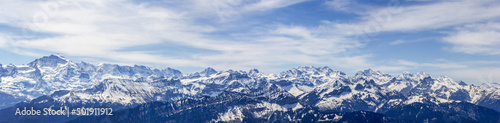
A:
[(291, 93), (52, 73)]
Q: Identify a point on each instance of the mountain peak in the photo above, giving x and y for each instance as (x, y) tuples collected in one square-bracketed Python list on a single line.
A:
[(368, 72), (208, 71), (49, 61), (372, 75), (312, 69), (462, 83), (55, 56), (253, 71), (172, 71), (413, 76), (407, 73)]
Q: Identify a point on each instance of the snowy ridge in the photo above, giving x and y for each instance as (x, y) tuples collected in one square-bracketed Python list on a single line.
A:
[(303, 87), (301, 80), (130, 92), (52, 73)]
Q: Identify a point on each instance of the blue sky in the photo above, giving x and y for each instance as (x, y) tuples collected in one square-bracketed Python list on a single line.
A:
[(456, 38)]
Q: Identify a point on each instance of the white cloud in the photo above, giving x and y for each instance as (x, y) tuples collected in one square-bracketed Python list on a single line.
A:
[(439, 15), (436, 15), (264, 5), (339, 5), (397, 42), (293, 31), (475, 75), (476, 39), (413, 40), (231, 10), (349, 6), (106, 29), (430, 16), (473, 38), (442, 65), (391, 69), (101, 28)]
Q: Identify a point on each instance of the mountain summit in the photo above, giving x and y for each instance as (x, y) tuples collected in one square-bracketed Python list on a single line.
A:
[(49, 61)]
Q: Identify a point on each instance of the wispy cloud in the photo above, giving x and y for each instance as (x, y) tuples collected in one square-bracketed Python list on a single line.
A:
[(441, 14), (397, 42), (101, 28), (232, 34), (339, 5), (441, 65), (476, 39), (348, 6), (435, 15), (106, 29), (231, 10), (475, 75)]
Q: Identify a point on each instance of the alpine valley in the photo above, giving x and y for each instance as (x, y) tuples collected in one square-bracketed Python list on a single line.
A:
[(303, 94)]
